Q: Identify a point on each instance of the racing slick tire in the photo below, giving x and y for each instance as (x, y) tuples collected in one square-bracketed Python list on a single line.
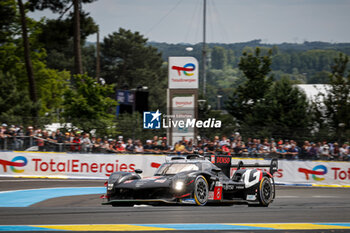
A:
[(265, 192), (201, 191)]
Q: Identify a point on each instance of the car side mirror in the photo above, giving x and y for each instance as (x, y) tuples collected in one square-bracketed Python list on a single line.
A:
[(138, 171), (216, 170)]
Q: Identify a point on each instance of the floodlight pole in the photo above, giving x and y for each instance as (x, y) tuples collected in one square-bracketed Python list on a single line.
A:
[(204, 49), (98, 55)]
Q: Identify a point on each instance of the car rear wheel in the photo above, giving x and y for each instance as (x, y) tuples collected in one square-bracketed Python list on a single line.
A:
[(265, 192), (201, 191)]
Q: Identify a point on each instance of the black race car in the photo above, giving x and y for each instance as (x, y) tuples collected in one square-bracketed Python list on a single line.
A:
[(195, 180)]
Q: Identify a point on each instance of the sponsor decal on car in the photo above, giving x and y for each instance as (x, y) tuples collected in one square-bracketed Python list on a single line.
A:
[(211, 195), (128, 181), (188, 201), (152, 178), (160, 181), (251, 197), (218, 192)]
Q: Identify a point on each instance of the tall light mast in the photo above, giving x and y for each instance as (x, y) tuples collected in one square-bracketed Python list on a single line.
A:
[(204, 49)]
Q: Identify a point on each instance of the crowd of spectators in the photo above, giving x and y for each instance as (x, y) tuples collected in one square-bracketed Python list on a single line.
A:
[(77, 141)]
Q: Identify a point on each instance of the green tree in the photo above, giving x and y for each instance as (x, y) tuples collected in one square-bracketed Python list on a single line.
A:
[(321, 77), (63, 6), (129, 62), (27, 57), (337, 100), (15, 105), (284, 113), (87, 105), (255, 68), (218, 58), (57, 38), (50, 83), (7, 19)]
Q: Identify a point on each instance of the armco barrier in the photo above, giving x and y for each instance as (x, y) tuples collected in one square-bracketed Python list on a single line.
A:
[(99, 166)]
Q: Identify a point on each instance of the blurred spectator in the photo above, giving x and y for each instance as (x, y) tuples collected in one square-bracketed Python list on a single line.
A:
[(40, 141), (313, 152), (155, 146), (335, 151), (138, 148), (3, 135), (324, 151), (344, 152), (265, 148), (303, 154), (281, 152), (96, 144), (253, 150), (211, 148), (148, 147), (292, 152), (76, 143), (105, 146), (86, 143), (164, 147), (179, 147), (189, 147), (119, 147), (129, 146), (224, 141)]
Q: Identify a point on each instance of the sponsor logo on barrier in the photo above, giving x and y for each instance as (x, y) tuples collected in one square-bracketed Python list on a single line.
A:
[(341, 174), (77, 166), (13, 164), (317, 170), (321, 170)]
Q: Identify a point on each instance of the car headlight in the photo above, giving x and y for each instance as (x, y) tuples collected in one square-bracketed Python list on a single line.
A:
[(179, 185), (110, 186)]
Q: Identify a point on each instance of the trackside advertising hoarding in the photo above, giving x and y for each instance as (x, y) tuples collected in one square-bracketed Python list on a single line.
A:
[(308, 172), (62, 165), (100, 166)]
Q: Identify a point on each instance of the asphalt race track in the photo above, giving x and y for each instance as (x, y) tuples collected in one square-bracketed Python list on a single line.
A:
[(292, 205)]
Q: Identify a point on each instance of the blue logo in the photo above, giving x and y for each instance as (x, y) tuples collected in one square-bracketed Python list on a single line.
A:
[(151, 120)]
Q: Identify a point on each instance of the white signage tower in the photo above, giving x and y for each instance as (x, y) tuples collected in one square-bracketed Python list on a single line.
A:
[(182, 96)]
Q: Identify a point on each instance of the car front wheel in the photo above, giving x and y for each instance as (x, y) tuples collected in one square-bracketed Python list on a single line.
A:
[(266, 192), (201, 191)]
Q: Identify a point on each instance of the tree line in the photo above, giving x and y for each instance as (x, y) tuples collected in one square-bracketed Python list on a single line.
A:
[(49, 73)]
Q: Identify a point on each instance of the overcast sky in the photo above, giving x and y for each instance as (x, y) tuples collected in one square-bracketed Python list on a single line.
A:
[(228, 21)]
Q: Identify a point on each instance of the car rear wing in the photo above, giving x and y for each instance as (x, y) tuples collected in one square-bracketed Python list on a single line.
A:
[(273, 165), (224, 162)]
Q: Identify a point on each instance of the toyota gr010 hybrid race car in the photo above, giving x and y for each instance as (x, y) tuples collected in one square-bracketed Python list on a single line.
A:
[(194, 180)]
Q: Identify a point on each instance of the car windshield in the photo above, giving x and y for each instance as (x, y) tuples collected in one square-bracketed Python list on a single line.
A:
[(174, 168)]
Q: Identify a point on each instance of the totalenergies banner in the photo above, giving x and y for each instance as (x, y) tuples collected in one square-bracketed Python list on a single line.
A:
[(183, 73), (63, 165), (308, 172)]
